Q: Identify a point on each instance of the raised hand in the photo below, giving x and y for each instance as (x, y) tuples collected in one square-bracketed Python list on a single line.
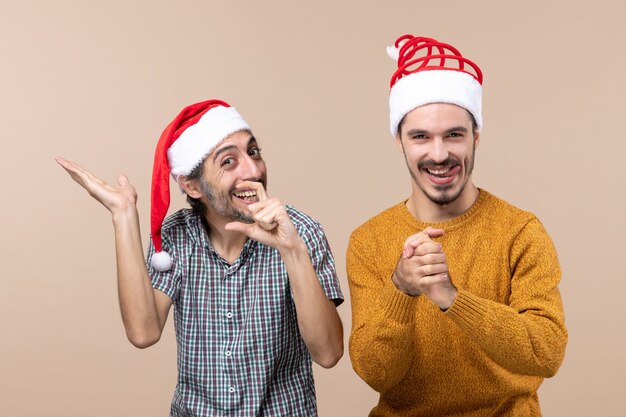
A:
[(423, 269), (272, 225), (114, 198)]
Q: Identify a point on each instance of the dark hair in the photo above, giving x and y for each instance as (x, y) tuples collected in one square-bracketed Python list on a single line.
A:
[(474, 126), (196, 204)]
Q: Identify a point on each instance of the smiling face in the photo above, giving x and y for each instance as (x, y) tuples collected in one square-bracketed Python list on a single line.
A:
[(233, 161), (439, 142)]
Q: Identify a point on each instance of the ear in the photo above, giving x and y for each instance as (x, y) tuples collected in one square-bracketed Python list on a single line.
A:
[(191, 187), (399, 143), (476, 138)]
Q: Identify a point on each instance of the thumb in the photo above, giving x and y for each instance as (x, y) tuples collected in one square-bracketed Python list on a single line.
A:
[(432, 232), (122, 180), (240, 227)]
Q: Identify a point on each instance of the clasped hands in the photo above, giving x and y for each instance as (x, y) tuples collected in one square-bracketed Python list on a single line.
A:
[(423, 269)]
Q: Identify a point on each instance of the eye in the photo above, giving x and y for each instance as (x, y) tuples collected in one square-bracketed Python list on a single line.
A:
[(419, 136), (227, 162), (455, 135), (254, 152)]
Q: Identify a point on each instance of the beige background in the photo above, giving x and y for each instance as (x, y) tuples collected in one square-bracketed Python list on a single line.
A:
[(97, 81)]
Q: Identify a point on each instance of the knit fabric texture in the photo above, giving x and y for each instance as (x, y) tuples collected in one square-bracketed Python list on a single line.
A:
[(489, 352)]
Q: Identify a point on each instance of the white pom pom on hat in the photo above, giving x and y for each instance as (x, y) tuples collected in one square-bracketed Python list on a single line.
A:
[(393, 52), (428, 72), (161, 261), (183, 145)]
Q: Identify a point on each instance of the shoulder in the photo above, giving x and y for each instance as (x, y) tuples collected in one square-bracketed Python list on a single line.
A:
[(501, 212), (181, 225), (301, 220), (309, 229), (519, 227), (178, 219)]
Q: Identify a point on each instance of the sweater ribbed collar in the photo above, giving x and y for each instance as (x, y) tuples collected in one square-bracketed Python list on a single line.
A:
[(475, 210)]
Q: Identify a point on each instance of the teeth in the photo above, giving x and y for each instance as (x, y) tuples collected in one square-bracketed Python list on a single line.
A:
[(245, 194), (438, 171)]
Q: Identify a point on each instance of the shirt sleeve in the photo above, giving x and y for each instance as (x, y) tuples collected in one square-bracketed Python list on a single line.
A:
[(383, 319), (323, 262), (527, 335), (167, 282)]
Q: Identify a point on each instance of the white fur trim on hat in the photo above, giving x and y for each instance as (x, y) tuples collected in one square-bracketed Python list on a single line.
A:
[(197, 141), (434, 86)]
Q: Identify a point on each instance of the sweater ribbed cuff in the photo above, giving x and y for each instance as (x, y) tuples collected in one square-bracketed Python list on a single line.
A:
[(468, 310), (397, 305)]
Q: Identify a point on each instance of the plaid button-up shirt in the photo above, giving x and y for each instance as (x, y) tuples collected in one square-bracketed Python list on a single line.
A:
[(240, 352)]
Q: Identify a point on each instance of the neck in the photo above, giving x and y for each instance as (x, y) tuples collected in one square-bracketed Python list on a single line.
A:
[(422, 208), (227, 243)]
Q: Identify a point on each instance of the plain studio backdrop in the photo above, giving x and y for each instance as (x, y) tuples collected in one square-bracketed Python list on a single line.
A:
[(97, 82)]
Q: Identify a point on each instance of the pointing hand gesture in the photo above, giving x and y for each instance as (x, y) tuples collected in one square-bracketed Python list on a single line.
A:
[(272, 225)]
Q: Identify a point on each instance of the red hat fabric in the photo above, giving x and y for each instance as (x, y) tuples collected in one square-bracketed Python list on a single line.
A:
[(183, 145), (430, 71)]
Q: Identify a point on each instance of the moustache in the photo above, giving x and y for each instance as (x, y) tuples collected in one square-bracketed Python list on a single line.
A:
[(448, 162), (263, 182)]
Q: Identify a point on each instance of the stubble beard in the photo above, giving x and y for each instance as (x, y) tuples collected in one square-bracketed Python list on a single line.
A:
[(221, 203), (443, 198)]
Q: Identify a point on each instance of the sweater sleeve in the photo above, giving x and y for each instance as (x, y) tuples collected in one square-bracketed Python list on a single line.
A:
[(383, 320), (527, 336)]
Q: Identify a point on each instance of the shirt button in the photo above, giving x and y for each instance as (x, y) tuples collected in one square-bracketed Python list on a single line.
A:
[(231, 390), (228, 353), (229, 315)]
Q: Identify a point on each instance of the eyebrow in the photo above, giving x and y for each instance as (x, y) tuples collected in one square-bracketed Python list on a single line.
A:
[(414, 132), (230, 147)]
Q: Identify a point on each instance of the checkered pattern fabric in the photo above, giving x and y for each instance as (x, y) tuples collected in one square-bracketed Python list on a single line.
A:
[(240, 352)]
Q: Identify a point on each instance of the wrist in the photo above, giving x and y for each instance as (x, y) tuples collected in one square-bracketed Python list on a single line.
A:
[(449, 299), (293, 248), (411, 292), (124, 216)]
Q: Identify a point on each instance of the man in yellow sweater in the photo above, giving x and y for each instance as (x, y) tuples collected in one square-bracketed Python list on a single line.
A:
[(456, 309)]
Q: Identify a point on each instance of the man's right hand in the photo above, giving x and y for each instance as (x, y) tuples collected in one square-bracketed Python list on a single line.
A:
[(144, 309), (115, 198)]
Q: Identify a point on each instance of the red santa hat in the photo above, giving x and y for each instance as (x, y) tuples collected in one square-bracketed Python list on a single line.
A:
[(183, 145), (430, 71)]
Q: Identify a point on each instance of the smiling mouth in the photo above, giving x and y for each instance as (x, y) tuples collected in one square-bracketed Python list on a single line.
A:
[(442, 171), (442, 175), (247, 196)]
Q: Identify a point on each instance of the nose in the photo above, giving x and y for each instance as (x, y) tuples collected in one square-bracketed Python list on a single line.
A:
[(252, 169), (438, 151)]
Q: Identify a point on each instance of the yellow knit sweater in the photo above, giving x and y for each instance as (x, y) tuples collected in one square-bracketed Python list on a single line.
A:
[(489, 352)]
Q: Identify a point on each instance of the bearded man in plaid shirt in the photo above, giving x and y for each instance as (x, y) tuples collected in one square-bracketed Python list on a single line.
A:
[(252, 281)]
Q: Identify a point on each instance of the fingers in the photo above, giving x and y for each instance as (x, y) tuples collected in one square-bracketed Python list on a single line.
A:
[(413, 242), (432, 232), (429, 281), (267, 213), (432, 269), (69, 165), (111, 196), (421, 238), (78, 174), (427, 247), (431, 258)]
